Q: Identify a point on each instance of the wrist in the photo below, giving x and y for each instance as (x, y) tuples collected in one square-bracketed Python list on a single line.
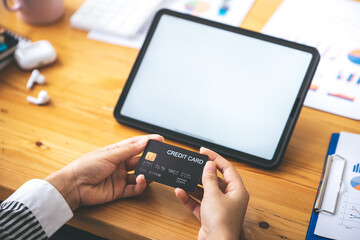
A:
[(223, 233), (65, 183)]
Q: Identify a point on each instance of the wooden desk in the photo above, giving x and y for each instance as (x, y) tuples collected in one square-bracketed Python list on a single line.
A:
[(85, 84)]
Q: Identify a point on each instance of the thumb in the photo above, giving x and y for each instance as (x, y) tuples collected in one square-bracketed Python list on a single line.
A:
[(128, 151), (209, 178)]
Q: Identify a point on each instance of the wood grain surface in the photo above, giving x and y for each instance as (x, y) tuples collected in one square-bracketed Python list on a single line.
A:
[(84, 85)]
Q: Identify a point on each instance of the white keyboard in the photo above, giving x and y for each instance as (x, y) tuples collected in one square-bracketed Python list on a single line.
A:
[(122, 17)]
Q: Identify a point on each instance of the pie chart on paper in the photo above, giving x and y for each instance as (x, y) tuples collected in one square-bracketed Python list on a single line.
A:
[(197, 6), (355, 183), (354, 56)]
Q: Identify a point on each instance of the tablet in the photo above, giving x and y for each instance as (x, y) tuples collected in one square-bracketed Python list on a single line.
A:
[(232, 90)]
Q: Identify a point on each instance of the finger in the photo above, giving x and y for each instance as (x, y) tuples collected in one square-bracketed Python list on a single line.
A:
[(190, 203), (222, 184), (210, 178), (198, 194), (117, 181), (227, 169), (132, 140), (131, 190), (132, 163), (131, 179), (211, 154), (123, 153)]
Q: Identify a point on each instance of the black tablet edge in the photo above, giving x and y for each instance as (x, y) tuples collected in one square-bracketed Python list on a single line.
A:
[(235, 154)]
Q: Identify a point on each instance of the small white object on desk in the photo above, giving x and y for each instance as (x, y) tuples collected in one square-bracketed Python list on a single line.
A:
[(42, 99), (36, 77), (36, 54)]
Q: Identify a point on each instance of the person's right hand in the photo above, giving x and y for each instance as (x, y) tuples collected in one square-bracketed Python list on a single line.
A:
[(223, 206), (103, 175)]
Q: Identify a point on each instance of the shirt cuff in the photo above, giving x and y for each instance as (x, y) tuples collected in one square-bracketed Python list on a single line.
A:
[(45, 202)]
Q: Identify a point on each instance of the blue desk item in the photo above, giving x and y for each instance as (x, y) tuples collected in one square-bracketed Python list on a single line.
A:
[(3, 47), (8, 44), (314, 216)]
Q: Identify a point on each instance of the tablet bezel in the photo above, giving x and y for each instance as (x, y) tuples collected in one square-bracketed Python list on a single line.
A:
[(235, 154)]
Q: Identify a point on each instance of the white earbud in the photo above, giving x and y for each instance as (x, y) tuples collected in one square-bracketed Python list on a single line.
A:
[(42, 99), (36, 77)]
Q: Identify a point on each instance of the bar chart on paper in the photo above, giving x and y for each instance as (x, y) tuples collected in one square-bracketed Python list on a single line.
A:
[(356, 168), (333, 27)]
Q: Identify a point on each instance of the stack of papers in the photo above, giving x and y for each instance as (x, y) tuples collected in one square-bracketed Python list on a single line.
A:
[(333, 27)]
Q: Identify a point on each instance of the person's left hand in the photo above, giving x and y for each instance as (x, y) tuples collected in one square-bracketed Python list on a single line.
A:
[(102, 175)]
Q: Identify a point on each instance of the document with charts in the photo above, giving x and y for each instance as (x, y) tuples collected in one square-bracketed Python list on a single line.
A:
[(333, 27), (345, 223), (231, 12)]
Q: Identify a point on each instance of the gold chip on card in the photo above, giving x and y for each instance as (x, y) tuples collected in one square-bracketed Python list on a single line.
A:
[(150, 156)]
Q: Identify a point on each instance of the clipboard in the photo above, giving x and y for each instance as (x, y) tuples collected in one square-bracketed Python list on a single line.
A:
[(315, 214)]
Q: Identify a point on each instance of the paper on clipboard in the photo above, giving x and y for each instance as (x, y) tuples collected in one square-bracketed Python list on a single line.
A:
[(345, 223)]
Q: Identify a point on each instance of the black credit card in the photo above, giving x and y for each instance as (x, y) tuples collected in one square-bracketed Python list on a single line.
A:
[(172, 166)]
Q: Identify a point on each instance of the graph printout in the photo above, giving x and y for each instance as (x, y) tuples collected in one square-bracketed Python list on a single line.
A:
[(333, 27), (345, 223), (231, 12)]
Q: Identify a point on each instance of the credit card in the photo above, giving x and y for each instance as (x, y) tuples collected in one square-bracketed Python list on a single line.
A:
[(171, 165)]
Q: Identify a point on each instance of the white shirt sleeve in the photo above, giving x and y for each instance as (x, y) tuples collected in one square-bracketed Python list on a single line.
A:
[(45, 202)]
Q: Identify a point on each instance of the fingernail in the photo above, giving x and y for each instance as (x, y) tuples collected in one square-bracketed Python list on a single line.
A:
[(143, 141), (141, 178), (155, 135), (202, 149), (210, 166)]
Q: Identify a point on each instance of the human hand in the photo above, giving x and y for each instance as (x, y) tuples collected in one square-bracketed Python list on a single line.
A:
[(224, 201), (102, 175)]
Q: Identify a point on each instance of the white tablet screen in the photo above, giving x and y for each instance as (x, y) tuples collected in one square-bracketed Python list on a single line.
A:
[(216, 85)]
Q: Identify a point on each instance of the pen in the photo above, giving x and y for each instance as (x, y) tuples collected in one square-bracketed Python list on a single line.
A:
[(224, 7)]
